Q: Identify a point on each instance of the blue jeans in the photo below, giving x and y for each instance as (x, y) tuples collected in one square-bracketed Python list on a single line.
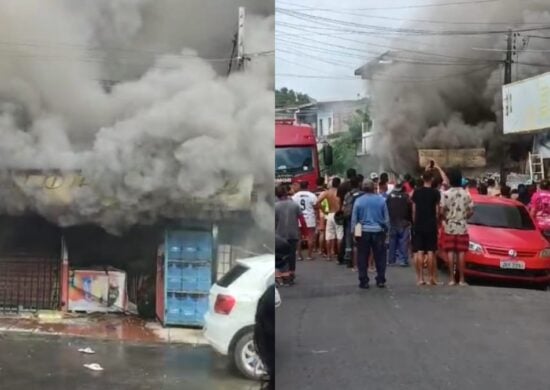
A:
[(399, 245), (375, 243)]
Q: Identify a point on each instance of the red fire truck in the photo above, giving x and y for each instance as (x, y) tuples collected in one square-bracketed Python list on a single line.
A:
[(296, 155)]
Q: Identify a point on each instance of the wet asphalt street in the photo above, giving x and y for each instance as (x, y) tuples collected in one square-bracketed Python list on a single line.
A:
[(331, 335), (52, 363)]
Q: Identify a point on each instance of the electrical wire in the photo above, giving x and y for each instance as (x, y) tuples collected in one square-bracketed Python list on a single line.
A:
[(427, 21), (392, 79), (305, 76), (533, 64), (6, 54), (346, 65), (97, 51), (431, 5), (471, 60), (307, 17), (387, 48), (301, 65)]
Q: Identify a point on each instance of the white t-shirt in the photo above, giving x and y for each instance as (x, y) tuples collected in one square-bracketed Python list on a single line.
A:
[(306, 200)]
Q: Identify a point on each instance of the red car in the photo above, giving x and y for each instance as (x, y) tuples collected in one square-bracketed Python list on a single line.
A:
[(505, 243)]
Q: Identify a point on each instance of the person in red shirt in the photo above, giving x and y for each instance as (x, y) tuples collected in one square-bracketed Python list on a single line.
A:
[(540, 206), (407, 186), (472, 187)]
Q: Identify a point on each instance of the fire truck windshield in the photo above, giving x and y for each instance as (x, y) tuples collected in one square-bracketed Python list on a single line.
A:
[(293, 160)]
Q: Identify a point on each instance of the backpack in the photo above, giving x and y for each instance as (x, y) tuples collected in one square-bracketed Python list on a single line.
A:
[(349, 200)]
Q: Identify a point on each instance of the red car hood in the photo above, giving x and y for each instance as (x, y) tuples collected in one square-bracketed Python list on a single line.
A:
[(507, 238)]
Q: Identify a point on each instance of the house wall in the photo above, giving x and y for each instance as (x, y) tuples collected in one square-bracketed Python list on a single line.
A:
[(341, 112), (325, 123)]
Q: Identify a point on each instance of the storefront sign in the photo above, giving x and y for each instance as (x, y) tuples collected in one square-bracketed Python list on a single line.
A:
[(59, 189), (526, 105), (463, 158)]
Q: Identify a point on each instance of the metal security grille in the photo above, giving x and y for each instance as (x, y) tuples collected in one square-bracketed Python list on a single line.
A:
[(29, 284)]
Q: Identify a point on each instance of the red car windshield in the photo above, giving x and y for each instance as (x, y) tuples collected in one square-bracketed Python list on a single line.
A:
[(502, 216)]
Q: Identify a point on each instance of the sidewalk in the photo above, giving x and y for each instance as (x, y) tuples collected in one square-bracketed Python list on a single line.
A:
[(114, 327)]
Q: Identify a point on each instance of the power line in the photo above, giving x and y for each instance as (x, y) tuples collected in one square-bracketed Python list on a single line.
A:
[(330, 51), (428, 21), (97, 51), (316, 76), (533, 64), (302, 65), (407, 6), (21, 55), (470, 61), (330, 21), (392, 79), (346, 65), (341, 30), (521, 51), (232, 56), (390, 48)]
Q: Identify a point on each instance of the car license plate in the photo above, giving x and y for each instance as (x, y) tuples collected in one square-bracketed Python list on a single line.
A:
[(512, 264)]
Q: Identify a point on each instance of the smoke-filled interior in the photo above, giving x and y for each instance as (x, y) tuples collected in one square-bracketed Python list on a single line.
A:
[(443, 90), (170, 127)]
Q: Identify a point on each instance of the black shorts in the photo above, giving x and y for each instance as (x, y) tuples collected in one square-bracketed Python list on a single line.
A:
[(424, 240)]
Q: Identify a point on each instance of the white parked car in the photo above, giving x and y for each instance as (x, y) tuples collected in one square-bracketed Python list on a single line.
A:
[(229, 323)]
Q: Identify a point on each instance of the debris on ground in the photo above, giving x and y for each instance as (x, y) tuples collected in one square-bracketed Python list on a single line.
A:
[(94, 367), (87, 350)]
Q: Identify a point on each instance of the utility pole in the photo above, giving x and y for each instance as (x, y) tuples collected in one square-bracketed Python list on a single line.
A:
[(508, 62), (507, 80), (240, 39), (231, 59)]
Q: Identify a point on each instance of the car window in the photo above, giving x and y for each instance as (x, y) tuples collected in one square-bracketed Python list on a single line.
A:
[(234, 273), (502, 216)]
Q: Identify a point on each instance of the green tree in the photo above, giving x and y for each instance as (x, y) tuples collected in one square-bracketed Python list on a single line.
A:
[(344, 146), (285, 97)]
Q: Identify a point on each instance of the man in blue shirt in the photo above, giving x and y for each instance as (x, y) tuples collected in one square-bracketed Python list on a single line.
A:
[(371, 212)]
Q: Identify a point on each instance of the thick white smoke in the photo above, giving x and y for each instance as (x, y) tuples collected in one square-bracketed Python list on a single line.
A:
[(173, 127), (457, 104)]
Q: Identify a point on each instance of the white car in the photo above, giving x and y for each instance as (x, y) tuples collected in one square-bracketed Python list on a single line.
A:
[(229, 323)]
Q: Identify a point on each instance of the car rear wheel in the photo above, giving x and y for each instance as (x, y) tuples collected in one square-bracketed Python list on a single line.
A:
[(246, 358)]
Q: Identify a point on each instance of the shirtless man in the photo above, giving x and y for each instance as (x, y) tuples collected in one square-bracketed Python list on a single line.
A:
[(334, 232)]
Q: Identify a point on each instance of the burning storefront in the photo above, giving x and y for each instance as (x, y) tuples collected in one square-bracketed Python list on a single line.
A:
[(84, 267)]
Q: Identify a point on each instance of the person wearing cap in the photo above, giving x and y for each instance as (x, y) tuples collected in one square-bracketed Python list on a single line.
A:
[(400, 212), (371, 212), (375, 179)]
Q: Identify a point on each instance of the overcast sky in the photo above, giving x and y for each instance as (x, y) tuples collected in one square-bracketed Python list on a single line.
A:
[(304, 47)]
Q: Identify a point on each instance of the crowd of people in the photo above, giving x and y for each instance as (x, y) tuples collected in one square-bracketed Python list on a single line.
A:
[(368, 224)]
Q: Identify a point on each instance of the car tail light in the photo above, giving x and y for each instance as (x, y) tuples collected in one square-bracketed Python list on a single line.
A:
[(224, 304)]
